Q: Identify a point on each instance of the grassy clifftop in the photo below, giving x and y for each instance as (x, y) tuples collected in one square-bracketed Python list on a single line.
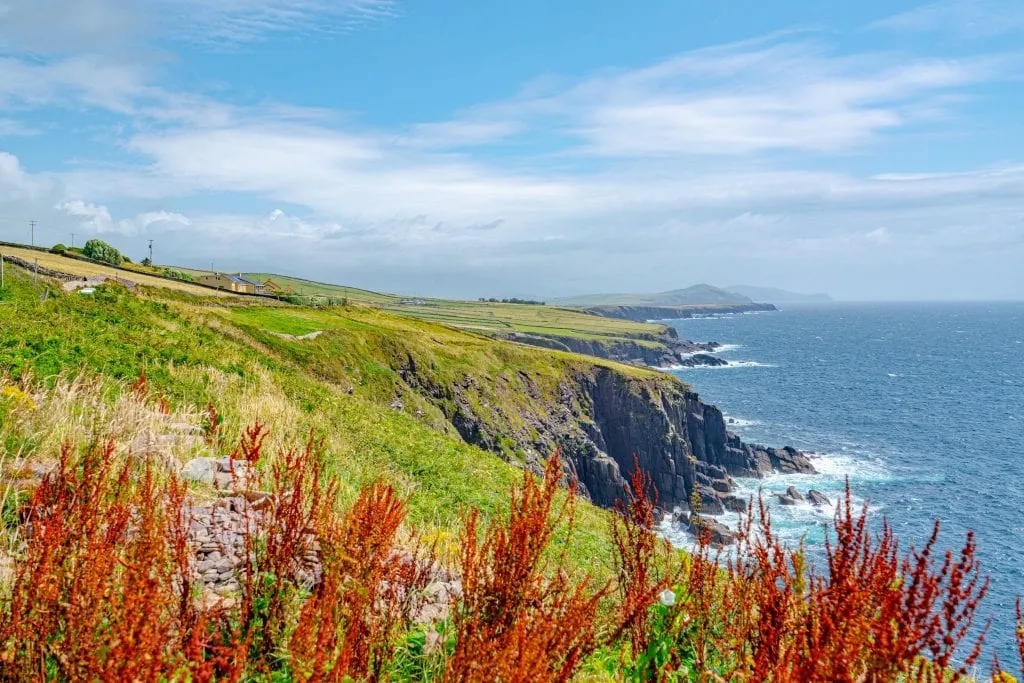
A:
[(365, 384)]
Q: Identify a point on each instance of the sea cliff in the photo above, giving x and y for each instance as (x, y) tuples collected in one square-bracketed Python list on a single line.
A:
[(604, 419)]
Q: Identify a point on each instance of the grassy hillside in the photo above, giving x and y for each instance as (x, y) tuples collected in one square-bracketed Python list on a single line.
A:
[(144, 382), (72, 266), (497, 318), (310, 288), (492, 319), (694, 295), (239, 358)]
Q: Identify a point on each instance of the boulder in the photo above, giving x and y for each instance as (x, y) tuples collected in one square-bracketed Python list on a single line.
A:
[(817, 498), (701, 360), (681, 518), (789, 460), (203, 470), (793, 493), (721, 485), (710, 503), (734, 504), (717, 533), (785, 499)]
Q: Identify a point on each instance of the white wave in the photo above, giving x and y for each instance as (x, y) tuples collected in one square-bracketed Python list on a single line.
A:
[(726, 348), (893, 374), (803, 521), (731, 364), (738, 422)]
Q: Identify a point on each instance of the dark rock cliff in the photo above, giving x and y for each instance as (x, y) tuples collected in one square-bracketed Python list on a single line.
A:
[(678, 439), (602, 417)]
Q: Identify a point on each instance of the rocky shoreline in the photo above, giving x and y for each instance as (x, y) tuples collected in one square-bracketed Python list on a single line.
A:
[(648, 313), (663, 351), (701, 522)]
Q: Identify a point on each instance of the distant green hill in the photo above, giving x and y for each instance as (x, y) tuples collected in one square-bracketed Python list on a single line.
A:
[(690, 296)]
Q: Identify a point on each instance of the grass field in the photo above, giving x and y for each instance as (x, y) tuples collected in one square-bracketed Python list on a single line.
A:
[(493, 319), (303, 287), (85, 268), (489, 318), (483, 317)]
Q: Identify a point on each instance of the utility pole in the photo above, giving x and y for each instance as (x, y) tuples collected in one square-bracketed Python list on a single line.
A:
[(1, 271), (32, 224), (151, 253), (72, 240)]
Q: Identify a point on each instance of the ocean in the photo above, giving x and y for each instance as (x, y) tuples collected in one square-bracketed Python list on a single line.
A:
[(921, 405)]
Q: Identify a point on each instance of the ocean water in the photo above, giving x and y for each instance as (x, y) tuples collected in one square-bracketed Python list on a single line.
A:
[(920, 405)]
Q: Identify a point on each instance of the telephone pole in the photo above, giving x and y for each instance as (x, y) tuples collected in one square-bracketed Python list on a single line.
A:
[(72, 240), (151, 253), (32, 224)]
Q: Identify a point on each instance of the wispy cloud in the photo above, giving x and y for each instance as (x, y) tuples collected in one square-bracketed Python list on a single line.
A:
[(241, 21), (966, 18), (104, 26), (747, 98)]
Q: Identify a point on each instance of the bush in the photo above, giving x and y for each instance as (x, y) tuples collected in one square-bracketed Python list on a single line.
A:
[(98, 250), (103, 588), (58, 248)]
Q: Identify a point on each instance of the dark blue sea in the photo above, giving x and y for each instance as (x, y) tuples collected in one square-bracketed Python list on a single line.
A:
[(920, 405)]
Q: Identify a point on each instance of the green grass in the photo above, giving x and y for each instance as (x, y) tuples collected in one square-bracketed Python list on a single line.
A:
[(484, 317), (340, 385), (303, 287), (492, 318)]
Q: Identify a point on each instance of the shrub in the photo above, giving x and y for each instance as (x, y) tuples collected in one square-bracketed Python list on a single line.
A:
[(98, 250), (58, 248), (514, 622), (104, 589)]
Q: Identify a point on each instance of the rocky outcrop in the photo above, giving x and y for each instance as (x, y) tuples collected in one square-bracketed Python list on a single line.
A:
[(645, 313), (603, 420), (701, 360), (716, 533), (659, 351), (818, 499)]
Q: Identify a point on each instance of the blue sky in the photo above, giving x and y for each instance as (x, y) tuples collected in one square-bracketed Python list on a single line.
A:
[(871, 150)]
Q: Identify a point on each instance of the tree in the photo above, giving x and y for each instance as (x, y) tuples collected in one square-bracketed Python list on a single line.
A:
[(98, 250), (58, 248)]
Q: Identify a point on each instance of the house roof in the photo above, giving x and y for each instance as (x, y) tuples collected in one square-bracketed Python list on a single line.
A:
[(238, 279)]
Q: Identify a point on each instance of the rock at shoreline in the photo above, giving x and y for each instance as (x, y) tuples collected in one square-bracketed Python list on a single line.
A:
[(818, 499), (785, 499), (716, 532), (788, 460), (734, 504), (682, 518), (701, 360), (710, 502), (793, 493)]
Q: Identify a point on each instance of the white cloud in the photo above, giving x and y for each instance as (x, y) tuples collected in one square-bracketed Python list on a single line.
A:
[(967, 18), (240, 21), (75, 26), (756, 97), (708, 164)]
